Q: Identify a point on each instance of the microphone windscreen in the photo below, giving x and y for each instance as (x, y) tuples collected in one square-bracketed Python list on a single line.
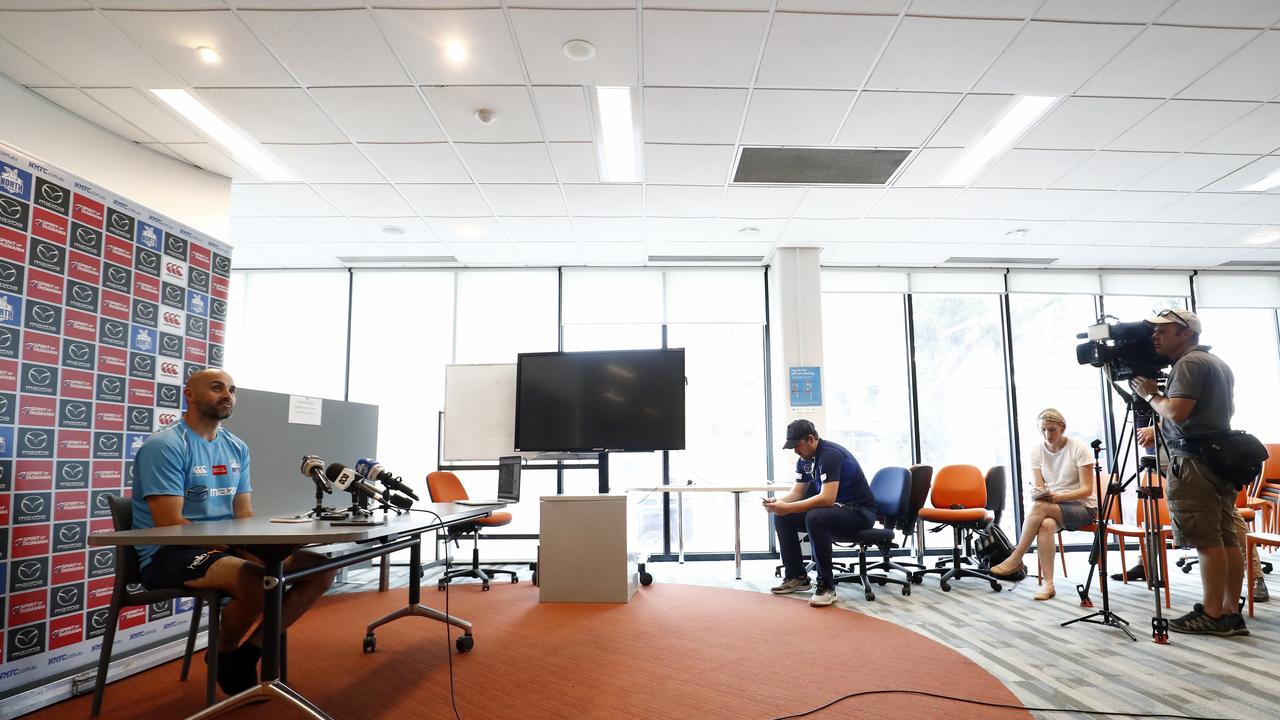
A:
[(333, 471), (403, 503)]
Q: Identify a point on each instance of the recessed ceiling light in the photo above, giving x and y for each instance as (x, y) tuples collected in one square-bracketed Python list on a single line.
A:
[(1017, 234), (1265, 184), (1262, 237), (393, 230), (619, 153), (749, 231), (456, 52), (243, 150), (1003, 134), (485, 116), (208, 54), (579, 50)]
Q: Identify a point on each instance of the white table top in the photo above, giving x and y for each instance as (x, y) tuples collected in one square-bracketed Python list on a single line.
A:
[(713, 488)]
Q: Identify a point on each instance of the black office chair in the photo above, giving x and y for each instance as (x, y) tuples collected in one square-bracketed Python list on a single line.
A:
[(912, 525), (128, 592), (891, 488), (996, 491)]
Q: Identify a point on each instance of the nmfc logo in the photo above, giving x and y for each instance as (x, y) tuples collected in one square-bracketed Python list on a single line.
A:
[(11, 181)]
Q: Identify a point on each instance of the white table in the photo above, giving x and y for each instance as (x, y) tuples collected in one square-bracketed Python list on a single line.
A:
[(737, 491)]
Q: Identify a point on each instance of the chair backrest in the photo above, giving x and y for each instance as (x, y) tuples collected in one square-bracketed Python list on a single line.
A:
[(996, 484), (126, 555), (1162, 505), (1270, 476), (959, 486), (444, 486), (921, 481), (891, 487)]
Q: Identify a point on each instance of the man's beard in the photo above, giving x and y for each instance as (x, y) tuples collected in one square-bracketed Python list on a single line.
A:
[(215, 412)]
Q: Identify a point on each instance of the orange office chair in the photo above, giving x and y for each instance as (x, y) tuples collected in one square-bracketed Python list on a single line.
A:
[(1115, 519), (1246, 508), (1122, 531), (959, 499), (1266, 492), (446, 487)]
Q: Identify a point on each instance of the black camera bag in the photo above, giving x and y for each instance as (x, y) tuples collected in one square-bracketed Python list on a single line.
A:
[(1235, 455)]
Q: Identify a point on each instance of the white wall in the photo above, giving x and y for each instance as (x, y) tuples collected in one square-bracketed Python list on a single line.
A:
[(49, 133)]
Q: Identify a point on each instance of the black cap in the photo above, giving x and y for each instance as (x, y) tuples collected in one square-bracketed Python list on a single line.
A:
[(797, 431)]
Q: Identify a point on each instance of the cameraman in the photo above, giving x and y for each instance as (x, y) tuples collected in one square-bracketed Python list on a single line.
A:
[(1198, 401)]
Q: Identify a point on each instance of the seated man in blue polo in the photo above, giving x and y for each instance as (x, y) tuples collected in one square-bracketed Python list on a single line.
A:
[(830, 501), (195, 471)]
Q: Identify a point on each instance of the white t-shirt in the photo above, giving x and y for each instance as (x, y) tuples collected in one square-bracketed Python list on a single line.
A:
[(1061, 470)]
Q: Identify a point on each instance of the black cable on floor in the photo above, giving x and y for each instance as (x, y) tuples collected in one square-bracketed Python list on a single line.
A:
[(985, 703), (448, 638)]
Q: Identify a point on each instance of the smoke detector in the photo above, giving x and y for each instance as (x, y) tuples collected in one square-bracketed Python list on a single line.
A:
[(579, 50), (485, 116)]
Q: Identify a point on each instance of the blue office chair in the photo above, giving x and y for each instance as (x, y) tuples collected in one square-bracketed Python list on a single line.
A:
[(891, 488)]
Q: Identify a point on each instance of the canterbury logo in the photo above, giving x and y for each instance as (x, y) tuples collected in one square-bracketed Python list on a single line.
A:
[(42, 314), (8, 274), (108, 442), (110, 385), (32, 505), (48, 253), (52, 193), (10, 209), (169, 369), (116, 275), (69, 534), (146, 311), (82, 293), (142, 363), (172, 319), (36, 441), (78, 352), (86, 236), (75, 411), (114, 330), (29, 570), (27, 638), (39, 376), (173, 269), (120, 222)]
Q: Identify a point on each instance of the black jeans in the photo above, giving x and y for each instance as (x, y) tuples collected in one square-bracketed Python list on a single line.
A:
[(824, 525)]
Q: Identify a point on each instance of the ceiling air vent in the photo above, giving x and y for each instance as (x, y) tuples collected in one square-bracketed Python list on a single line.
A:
[(1000, 260), (1251, 263), (818, 166), (708, 258), (398, 259)]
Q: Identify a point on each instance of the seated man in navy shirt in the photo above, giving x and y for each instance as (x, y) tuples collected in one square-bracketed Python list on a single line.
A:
[(830, 501)]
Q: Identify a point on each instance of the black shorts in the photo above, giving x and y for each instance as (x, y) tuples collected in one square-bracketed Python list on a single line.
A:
[(172, 567)]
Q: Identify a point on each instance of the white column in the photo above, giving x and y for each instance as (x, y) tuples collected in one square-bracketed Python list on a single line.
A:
[(795, 321)]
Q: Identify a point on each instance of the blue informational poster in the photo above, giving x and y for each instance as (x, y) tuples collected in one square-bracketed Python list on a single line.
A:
[(806, 386)]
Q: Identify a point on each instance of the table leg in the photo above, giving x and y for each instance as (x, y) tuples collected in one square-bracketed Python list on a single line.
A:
[(272, 610), (737, 536), (680, 524)]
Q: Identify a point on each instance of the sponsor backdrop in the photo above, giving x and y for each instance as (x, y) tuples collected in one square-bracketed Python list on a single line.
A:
[(105, 309)]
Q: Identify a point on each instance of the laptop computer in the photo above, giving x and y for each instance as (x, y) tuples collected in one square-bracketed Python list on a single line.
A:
[(508, 484)]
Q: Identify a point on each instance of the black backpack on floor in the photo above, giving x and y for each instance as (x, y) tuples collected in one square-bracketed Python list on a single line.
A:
[(992, 547)]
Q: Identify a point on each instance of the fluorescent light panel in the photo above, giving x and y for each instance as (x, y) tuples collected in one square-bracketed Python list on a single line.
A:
[(242, 149), (1021, 116), (618, 162), (1265, 184)]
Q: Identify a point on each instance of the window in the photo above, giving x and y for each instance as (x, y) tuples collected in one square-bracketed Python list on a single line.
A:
[(502, 313), (1246, 340)]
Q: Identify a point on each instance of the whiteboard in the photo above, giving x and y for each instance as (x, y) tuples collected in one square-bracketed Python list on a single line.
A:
[(479, 412)]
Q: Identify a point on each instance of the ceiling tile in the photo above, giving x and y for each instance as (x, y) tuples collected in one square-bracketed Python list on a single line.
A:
[(549, 253), (1030, 168), (144, 114), (83, 47), (1241, 77), (507, 163), (1144, 234), (981, 203), (761, 202), (1086, 123), (1112, 170), (1251, 235), (1255, 133), (970, 119), (1054, 58), (485, 253), (1130, 11), (912, 202), (273, 115), (1179, 125), (365, 200), (513, 116), (1239, 13), (575, 162), (429, 162), (592, 230), (1015, 9), (379, 114), (93, 111), (677, 230), (837, 203), (880, 7), (1059, 204), (727, 45), (940, 54), (538, 229), (1190, 172), (682, 200), (460, 232), (543, 33), (524, 200), (336, 47), (885, 230), (614, 253), (286, 199), (1082, 232), (926, 167), (688, 164), (1252, 172), (241, 207), (1263, 209), (895, 119), (326, 163), (421, 37), (403, 230), (815, 233), (254, 231), (212, 158), (603, 200), (821, 51), (741, 231), (795, 117), (1204, 257), (1164, 60), (19, 66), (297, 255), (692, 115), (1198, 207), (440, 200), (958, 231), (1129, 206), (564, 113), (172, 37), (1205, 235), (324, 229), (872, 254)]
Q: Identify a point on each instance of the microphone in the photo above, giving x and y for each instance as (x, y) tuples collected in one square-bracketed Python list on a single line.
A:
[(311, 467), (344, 478), (372, 470)]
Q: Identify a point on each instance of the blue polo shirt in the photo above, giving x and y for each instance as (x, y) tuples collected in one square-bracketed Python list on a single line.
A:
[(834, 462), (206, 474)]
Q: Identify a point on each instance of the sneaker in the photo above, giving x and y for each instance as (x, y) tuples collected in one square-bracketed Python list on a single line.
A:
[(1237, 624), (791, 585), (1197, 622), (1137, 572), (824, 596), (1260, 593), (238, 669)]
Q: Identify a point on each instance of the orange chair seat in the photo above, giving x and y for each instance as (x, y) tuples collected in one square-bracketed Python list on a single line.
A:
[(1136, 530), (948, 515), (494, 520)]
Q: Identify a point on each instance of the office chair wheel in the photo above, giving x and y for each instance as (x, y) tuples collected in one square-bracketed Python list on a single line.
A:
[(646, 579), (370, 643), (878, 581), (514, 579), (995, 586), (917, 578), (1182, 562), (442, 584), (465, 643), (485, 587), (535, 578), (946, 587), (906, 590), (870, 596), (1185, 568)]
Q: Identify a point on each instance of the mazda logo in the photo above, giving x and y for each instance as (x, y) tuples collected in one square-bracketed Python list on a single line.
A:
[(174, 244), (36, 441), (39, 376), (10, 208), (139, 416), (86, 236), (147, 260), (82, 293), (173, 294), (110, 385), (48, 253), (52, 193), (73, 472), (102, 502), (29, 570), (42, 314), (99, 620), (32, 504), (142, 363), (199, 277), (108, 442), (4, 404), (75, 411), (114, 330), (215, 352), (120, 222), (6, 339), (219, 307), (69, 533), (78, 351), (197, 324), (8, 274), (146, 311), (170, 344), (26, 638), (67, 596), (168, 393), (221, 263), (102, 560), (116, 275)]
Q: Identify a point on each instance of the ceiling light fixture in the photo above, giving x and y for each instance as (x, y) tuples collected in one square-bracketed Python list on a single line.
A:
[(619, 153), (1000, 137), (578, 50), (485, 116), (1265, 184), (1262, 237), (208, 54), (393, 230), (456, 52), (242, 149), (748, 231), (1017, 234)]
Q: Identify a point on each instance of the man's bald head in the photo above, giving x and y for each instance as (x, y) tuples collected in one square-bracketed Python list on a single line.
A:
[(206, 376), (211, 395)]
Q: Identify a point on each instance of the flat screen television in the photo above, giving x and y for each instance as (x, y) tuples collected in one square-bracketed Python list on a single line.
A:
[(609, 400)]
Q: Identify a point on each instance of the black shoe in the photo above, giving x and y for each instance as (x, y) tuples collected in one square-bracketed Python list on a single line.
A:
[(1197, 622), (238, 669), (1137, 572)]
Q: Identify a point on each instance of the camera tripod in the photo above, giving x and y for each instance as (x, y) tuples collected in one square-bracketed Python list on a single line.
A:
[(1150, 490)]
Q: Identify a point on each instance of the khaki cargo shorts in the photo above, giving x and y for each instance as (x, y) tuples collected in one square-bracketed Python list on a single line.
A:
[(1201, 505)]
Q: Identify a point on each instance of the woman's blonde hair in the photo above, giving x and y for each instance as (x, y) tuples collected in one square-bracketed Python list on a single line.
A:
[(1052, 415)]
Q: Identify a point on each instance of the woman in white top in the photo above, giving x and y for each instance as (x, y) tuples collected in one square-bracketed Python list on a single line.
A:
[(1063, 494)]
